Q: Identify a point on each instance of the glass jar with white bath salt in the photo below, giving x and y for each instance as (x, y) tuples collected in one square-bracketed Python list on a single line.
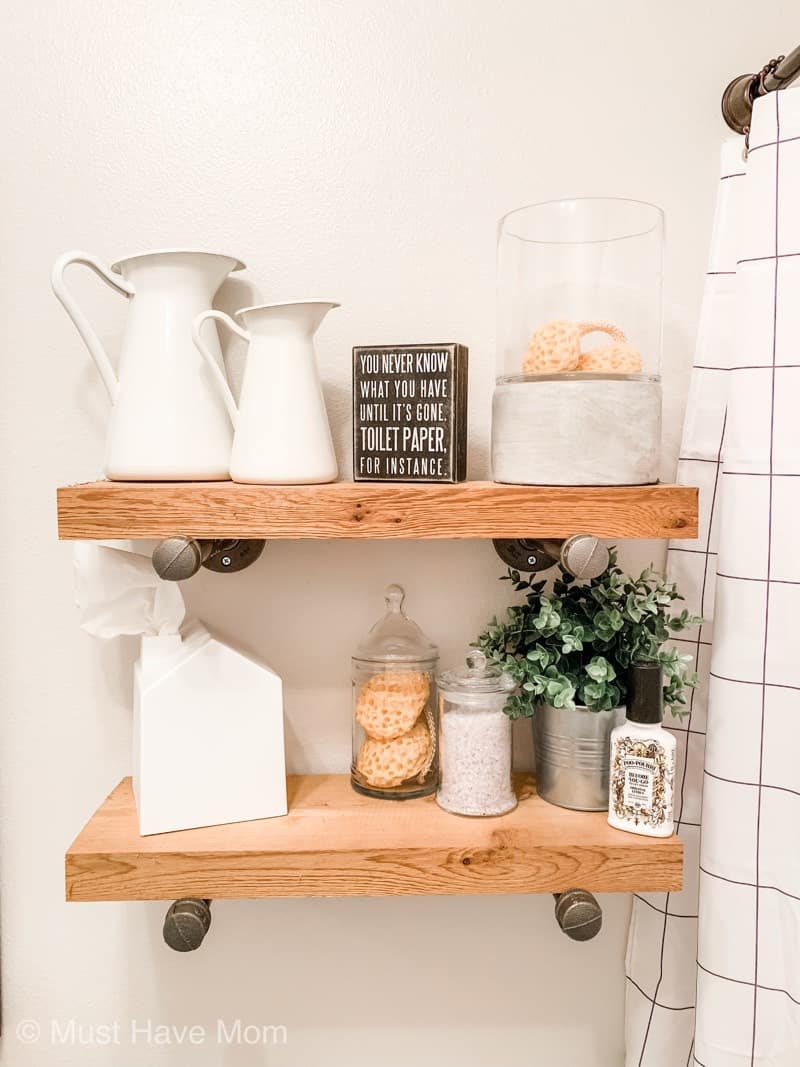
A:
[(475, 740), (394, 707)]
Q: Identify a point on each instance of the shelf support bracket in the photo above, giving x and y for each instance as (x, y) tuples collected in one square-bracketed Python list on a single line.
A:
[(578, 914), (177, 558), (582, 555), (188, 920), (186, 923)]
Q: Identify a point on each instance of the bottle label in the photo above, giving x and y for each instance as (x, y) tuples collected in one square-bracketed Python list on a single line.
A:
[(642, 781), (639, 777)]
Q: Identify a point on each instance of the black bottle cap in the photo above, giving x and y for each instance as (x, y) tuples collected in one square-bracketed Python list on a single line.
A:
[(645, 692)]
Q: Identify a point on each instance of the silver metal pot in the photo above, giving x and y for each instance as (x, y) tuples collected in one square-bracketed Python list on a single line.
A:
[(572, 755)]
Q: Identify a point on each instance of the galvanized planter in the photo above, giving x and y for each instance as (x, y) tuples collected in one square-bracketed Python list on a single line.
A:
[(572, 755)]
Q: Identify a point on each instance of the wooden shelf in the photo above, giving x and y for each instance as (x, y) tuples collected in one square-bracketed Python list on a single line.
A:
[(118, 510), (337, 843)]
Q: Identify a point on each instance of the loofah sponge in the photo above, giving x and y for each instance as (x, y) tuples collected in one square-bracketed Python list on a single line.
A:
[(616, 358), (387, 764), (556, 347), (390, 703)]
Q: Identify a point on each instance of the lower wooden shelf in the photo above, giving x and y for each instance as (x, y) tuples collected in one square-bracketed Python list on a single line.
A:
[(337, 843)]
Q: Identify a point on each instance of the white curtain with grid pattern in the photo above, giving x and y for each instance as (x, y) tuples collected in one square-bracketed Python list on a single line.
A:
[(714, 971)]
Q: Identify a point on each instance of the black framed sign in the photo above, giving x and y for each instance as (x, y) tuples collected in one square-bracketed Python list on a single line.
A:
[(410, 413)]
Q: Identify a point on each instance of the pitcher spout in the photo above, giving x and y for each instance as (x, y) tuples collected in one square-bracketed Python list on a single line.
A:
[(306, 315), (171, 265)]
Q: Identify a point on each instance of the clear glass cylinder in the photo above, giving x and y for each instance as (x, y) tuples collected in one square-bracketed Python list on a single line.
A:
[(475, 740), (579, 333), (395, 748)]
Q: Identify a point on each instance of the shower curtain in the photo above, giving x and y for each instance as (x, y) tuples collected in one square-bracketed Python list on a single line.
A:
[(713, 972)]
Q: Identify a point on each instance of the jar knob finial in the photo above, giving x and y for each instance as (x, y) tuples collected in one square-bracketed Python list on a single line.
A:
[(476, 661), (395, 596)]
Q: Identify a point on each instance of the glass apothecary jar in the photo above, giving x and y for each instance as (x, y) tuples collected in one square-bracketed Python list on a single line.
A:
[(578, 393), (394, 721), (475, 740)]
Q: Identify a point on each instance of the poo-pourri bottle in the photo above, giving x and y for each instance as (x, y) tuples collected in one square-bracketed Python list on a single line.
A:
[(642, 778)]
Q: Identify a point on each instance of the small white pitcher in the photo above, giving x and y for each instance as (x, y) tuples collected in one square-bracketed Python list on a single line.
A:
[(167, 421), (281, 432)]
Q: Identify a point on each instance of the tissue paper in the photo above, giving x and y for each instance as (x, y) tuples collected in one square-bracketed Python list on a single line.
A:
[(118, 592)]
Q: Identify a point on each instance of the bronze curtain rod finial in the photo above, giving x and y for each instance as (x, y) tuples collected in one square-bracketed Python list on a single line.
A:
[(742, 92)]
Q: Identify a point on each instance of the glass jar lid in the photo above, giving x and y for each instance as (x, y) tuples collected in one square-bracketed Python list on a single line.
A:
[(395, 638), (479, 677)]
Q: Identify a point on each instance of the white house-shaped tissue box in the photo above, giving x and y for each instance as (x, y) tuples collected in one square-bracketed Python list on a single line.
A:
[(208, 734)]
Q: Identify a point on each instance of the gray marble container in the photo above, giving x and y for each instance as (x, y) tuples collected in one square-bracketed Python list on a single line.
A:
[(577, 430)]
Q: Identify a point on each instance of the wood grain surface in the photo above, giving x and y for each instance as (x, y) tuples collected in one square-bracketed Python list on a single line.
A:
[(337, 843), (100, 510)]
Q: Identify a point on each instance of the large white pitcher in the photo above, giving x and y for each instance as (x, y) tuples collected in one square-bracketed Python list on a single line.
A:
[(282, 435), (168, 420)]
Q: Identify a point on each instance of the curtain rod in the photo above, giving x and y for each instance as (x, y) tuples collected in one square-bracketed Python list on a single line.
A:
[(738, 98)]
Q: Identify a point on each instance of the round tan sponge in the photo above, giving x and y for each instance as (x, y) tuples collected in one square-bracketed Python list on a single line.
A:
[(555, 348), (616, 358), (390, 703), (387, 764)]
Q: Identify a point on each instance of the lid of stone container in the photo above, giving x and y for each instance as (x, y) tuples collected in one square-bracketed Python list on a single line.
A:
[(478, 677), (395, 638)]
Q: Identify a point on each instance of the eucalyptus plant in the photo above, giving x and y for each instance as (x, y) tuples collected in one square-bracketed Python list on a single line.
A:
[(574, 644)]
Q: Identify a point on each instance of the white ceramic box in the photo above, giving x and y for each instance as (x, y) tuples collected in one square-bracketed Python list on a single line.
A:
[(208, 734)]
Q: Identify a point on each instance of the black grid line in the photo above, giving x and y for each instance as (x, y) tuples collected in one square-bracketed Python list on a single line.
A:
[(678, 729), (751, 885), (754, 785), (764, 581), (735, 174), (775, 255), (685, 824), (743, 366), (755, 986), (772, 144), (691, 551), (658, 1004), (767, 366), (662, 911), (748, 681)]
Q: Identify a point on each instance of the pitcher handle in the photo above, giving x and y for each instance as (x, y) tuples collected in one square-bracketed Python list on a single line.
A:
[(84, 327), (216, 372)]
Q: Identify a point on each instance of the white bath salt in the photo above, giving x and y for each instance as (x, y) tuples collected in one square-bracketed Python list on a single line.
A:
[(475, 761)]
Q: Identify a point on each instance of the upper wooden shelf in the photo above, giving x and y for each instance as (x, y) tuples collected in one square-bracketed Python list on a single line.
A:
[(336, 843), (120, 510)]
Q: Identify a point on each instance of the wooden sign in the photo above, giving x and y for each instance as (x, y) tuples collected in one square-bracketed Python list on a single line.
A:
[(410, 413)]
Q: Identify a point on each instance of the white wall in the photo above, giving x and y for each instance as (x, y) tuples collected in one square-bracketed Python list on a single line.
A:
[(363, 150)]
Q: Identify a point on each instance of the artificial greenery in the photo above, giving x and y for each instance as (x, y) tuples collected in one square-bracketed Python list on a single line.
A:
[(574, 645)]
